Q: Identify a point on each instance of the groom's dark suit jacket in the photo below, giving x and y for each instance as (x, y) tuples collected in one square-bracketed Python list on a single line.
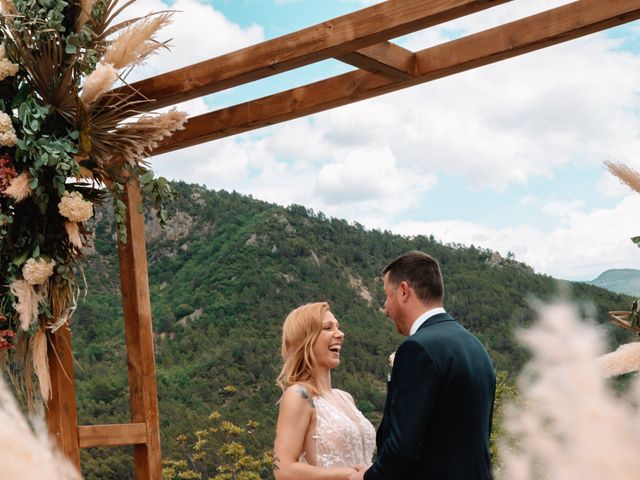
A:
[(437, 417)]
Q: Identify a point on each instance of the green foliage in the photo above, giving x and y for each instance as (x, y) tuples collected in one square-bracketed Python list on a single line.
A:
[(506, 393), (218, 452)]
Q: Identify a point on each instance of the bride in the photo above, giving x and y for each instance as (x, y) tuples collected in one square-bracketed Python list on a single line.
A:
[(320, 434)]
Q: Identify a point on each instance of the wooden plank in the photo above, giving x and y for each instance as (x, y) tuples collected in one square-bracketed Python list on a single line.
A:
[(62, 416), (139, 338), (386, 58), (112, 435), (329, 39), (509, 40)]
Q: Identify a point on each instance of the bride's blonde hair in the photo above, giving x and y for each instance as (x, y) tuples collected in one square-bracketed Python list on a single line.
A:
[(300, 331)]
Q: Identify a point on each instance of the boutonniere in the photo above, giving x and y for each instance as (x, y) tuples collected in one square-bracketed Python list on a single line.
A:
[(392, 357)]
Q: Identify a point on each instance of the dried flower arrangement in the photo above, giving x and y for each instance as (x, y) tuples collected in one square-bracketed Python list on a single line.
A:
[(66, 139)]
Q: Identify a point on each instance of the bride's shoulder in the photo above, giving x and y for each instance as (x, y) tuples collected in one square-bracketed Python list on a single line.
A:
[(297, 396)]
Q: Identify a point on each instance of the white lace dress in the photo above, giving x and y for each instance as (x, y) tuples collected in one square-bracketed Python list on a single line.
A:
[(343, 436)]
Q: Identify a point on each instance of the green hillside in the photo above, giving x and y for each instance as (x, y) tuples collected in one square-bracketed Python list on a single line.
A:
[(224, 275)]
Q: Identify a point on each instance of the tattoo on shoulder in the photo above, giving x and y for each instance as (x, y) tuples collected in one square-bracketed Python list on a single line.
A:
[(304, 394), (275, 463)]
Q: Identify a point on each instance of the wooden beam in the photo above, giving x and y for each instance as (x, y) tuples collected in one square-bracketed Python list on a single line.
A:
[(509, 40), (329, 39), (386, 59), (136, 301), (62, 416), (112, 435)]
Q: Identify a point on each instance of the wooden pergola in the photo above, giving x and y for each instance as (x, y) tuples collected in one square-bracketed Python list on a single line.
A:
[(361, 39)]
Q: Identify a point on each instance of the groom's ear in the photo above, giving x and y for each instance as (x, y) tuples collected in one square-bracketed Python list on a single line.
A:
[(404, 290)]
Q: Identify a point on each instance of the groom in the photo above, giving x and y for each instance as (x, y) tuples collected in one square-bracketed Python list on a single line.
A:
[(437, 416)]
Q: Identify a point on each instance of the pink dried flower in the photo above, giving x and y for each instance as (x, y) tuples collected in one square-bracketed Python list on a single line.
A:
[(4, 343), (7, 172)]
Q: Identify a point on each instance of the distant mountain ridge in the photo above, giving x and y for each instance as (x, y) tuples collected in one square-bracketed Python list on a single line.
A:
[(622, 280)]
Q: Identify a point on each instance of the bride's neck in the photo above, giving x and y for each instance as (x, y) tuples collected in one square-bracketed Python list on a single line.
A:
[(324, 381)]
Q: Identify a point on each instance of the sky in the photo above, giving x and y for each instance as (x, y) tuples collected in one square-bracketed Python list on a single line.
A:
[(507, 157)]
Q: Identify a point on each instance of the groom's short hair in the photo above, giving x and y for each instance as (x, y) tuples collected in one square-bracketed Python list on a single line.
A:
[(421, 271)]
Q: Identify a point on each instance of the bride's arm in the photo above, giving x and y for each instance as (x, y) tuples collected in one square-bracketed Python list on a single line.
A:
[(294, 418)]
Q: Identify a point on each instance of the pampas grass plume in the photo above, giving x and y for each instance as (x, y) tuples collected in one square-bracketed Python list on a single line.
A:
[(73, 232), (19, 188), (26, 454), (27, 302), (41, 363), (98, 82), (625, 359), (626, 175), (151, 130), (568, 424), (135, 43)]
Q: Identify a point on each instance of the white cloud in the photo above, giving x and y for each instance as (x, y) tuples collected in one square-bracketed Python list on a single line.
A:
[(369, 176), (582, 247)]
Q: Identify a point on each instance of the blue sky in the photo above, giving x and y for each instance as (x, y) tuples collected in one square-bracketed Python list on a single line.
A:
[(507, 157)]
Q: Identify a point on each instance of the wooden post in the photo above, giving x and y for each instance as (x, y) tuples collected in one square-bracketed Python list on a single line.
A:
[(62, 417), (139, 338)]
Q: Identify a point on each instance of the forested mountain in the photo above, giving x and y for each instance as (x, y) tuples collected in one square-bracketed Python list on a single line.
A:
[(621, 280), (223, 276)]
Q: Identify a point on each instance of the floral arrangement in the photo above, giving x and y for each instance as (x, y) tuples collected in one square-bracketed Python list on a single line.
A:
[(67, 139)]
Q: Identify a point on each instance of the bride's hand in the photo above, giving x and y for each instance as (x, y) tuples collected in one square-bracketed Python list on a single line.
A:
[(358, 473)]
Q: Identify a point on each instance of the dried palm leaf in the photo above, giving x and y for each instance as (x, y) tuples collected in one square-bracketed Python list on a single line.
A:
[(49, 69), (105, 116)]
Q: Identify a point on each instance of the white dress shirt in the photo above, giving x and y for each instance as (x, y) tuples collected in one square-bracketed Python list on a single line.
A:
[(424, 317)]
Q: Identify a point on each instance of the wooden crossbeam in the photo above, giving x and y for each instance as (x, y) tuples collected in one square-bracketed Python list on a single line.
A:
[(386, 58), (90, 436), (329, 39), (509, 40)]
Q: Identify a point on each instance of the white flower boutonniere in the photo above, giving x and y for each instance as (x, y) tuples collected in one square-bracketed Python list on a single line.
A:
[(392, 357)]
